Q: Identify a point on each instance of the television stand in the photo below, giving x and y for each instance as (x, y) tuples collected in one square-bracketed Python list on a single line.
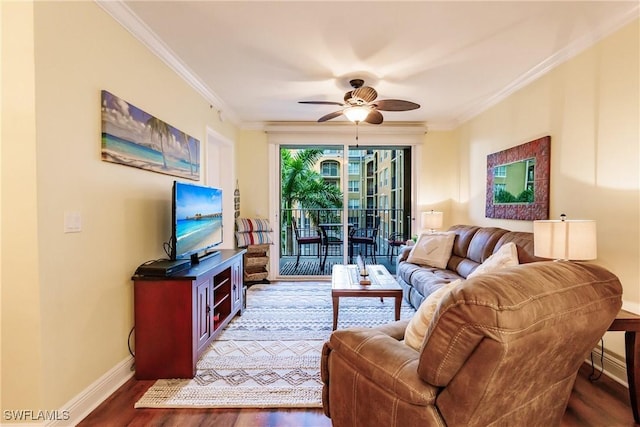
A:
[(176, 317)]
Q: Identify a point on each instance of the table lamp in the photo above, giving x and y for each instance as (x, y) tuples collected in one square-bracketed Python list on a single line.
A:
[(431, 220), (565, 239)]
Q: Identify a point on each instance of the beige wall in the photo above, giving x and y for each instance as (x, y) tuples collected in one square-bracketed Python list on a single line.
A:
[(67, 299), (252, 152), (590, 107), (437, 179), (21, 334)]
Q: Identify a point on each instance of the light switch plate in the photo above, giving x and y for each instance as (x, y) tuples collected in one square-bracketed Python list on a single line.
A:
[(72, 222)]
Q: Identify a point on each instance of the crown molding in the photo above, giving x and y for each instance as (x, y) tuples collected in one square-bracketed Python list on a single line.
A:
[(392, 128), (549, 64), (313, 133), (119, 11), (443, 126), (386, 127)]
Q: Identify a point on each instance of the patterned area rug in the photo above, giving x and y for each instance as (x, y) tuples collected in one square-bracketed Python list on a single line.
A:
[(270, 356)]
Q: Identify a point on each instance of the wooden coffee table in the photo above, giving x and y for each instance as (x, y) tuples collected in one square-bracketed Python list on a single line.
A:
[(345, 282)]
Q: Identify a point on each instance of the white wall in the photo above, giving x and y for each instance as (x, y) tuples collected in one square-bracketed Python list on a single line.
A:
[(67, 298)]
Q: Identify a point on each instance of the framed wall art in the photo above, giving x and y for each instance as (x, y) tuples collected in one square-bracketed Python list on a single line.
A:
[(132, 137), (518, 181)]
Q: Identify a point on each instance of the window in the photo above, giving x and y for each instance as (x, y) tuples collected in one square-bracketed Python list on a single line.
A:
[(354, 203), (354, 186), (354, 168), (384, 177), (384, 201), (500, 171), (330, 168)]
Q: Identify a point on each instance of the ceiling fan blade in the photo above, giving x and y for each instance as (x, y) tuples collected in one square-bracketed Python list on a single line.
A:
[(396, 105), (330, 116), (365, 93), (321, 102), (374, 117)]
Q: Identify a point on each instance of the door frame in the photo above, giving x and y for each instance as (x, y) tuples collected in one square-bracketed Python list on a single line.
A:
[(342, 135)]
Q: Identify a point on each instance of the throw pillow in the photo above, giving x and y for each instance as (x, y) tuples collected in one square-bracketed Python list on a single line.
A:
[(254, 238), (419, 323), (433, 249), (506, 256), (245, 225)]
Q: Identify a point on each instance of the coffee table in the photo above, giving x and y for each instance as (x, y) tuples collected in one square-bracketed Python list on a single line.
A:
[(345, 282)]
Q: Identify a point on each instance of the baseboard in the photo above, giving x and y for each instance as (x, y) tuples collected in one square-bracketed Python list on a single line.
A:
[(633, 307), (614, 366), (89, 399)]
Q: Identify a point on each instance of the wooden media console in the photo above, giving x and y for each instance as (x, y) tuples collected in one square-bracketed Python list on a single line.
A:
[(177, 317)]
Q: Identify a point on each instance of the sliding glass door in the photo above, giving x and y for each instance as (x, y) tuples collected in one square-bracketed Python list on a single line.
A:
[(334, 207)]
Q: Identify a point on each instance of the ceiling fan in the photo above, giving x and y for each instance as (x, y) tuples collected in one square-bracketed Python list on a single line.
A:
[(359, 105)]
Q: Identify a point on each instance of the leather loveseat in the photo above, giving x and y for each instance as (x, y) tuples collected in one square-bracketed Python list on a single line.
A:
[(471, 247), (502, 349)]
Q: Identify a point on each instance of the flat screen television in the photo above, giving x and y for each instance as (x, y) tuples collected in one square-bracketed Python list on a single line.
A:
[(196, 221)]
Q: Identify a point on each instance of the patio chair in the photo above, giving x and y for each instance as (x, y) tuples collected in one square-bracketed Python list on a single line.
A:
[(328, 241), (367, 237), (394, 241), (306, 236)]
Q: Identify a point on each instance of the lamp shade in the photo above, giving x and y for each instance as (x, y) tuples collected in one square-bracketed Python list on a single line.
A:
[(565, 239), (431, 220), (357, 114)]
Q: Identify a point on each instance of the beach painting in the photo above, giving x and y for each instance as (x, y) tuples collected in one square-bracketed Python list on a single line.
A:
[(134, 138)]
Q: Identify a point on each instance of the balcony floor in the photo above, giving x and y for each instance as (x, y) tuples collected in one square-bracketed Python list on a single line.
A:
[(310, 265)]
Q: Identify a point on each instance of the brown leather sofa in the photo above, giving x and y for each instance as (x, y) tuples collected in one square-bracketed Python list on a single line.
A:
[(503, 349), (472, 246)]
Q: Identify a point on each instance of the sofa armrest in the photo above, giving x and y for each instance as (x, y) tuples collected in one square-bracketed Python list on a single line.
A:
[(394, 329), (403, 255), (380, 357)]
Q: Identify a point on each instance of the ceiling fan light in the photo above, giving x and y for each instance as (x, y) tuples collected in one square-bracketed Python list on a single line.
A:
[(358, 113)]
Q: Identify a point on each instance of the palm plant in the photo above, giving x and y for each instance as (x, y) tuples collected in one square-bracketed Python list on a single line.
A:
[(160, 128), (185, 142)]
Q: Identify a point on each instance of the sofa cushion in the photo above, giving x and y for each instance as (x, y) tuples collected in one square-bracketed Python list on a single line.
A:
[(429, 279), (432, 249), (464, 234), (417, 326), (483, 242), (524, 243), (506, 256)]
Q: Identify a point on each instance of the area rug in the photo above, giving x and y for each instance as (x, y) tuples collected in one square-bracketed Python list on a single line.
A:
[(270, 356)]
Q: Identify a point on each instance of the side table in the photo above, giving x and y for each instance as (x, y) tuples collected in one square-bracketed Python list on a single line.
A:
[(630, 324)]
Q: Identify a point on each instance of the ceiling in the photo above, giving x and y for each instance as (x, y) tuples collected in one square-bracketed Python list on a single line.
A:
[(254, 60)]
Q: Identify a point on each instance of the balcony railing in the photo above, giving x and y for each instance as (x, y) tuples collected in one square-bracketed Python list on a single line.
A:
[(393, 223)]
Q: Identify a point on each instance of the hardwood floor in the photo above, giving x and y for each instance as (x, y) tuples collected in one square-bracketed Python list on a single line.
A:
[(603, 403)]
